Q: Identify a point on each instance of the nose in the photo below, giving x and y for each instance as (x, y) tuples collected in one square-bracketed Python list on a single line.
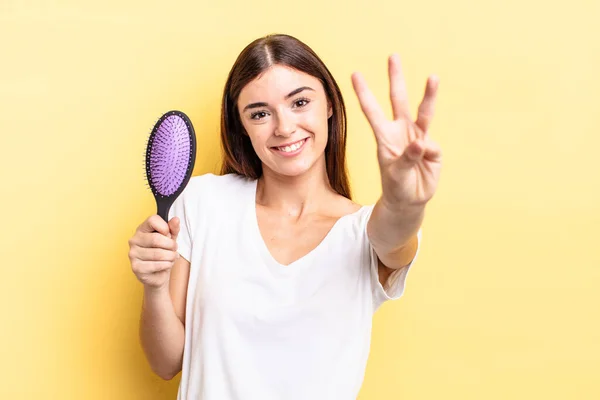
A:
[(286, 125)]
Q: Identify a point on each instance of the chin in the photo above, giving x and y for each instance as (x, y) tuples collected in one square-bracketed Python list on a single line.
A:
[(294, 168), (291, 170)]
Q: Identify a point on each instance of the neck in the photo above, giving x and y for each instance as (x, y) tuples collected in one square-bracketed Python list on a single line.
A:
[(295, 195)]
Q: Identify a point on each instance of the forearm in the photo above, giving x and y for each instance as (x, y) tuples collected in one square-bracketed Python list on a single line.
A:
[(161, 333), (393, 230)]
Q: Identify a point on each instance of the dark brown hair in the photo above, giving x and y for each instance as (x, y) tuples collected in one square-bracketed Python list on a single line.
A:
[(278, 49)]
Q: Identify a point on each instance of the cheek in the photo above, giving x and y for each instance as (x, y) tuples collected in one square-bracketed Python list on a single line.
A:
[(317, 122), (322, 129), (258, 135)]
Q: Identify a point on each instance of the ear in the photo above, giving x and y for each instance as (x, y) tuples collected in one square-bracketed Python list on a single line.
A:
[(329, 110)]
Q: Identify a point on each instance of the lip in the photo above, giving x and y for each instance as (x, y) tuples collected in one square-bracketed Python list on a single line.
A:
[(291, 143), (291, 153)]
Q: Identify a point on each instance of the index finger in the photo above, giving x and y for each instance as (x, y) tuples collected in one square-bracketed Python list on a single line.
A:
[(155, 223), (368, 102), (427, 106), (398, 94)]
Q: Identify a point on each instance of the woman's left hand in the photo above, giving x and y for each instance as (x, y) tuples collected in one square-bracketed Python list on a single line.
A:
[(409, 161)]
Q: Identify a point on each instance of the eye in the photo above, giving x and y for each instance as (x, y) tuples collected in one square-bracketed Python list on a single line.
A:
[(258, 115), (303, 102)]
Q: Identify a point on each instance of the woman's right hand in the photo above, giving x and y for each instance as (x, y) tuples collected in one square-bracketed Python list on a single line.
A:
[(153, 251)]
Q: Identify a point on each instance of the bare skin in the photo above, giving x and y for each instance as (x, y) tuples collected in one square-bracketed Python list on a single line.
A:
[(292, 232)]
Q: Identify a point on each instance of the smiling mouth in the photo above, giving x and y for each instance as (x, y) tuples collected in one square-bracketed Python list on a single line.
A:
[(291, 147)]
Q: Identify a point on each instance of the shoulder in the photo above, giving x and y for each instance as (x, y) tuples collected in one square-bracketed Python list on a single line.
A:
[(340, 206), (344, 208), (212, 185), (210, 192), (359, 219), (211, 180), (353, 222)]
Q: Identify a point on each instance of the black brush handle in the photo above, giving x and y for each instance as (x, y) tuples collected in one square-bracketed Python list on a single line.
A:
[(163, 206)]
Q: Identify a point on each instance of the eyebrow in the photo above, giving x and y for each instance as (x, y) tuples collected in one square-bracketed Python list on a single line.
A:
[(290, 94)]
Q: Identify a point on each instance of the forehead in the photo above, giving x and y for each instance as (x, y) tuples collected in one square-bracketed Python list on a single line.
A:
[(276, 82)]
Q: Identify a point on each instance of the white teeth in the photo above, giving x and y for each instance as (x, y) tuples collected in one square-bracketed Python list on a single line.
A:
[(291, 148)]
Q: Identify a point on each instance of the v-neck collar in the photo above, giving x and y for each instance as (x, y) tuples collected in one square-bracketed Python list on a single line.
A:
[(263, 248)]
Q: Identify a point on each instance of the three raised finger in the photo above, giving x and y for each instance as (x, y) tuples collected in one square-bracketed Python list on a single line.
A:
[(368, 102), (427, 107), (398, 92)]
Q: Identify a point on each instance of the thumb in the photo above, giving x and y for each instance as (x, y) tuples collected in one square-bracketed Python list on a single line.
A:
[(174, 227), (412, 154)]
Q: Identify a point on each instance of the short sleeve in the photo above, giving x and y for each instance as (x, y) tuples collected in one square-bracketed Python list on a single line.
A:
[(180, 209), (394, 287)]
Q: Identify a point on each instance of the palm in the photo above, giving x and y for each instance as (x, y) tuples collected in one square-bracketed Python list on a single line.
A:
[(409, 161)]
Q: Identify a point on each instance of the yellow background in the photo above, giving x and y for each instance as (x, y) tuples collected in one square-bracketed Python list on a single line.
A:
[(504, 300)]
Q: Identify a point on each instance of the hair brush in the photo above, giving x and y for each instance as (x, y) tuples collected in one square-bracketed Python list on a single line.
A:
[(170, 158)]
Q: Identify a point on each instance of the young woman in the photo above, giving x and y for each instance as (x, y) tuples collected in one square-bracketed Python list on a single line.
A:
[(264, 282)]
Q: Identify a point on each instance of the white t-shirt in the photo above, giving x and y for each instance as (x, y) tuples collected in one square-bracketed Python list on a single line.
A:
[(256, 329)]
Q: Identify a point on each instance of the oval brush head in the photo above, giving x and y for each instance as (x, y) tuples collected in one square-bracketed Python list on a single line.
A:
[(170, 158)]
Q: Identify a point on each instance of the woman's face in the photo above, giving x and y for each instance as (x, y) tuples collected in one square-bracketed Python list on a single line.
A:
[(285, 113)]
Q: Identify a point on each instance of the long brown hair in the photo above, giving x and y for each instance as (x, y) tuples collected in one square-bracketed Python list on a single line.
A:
[(238, 155)]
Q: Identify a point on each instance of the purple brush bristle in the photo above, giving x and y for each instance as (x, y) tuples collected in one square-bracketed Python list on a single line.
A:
[(170, 155)]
